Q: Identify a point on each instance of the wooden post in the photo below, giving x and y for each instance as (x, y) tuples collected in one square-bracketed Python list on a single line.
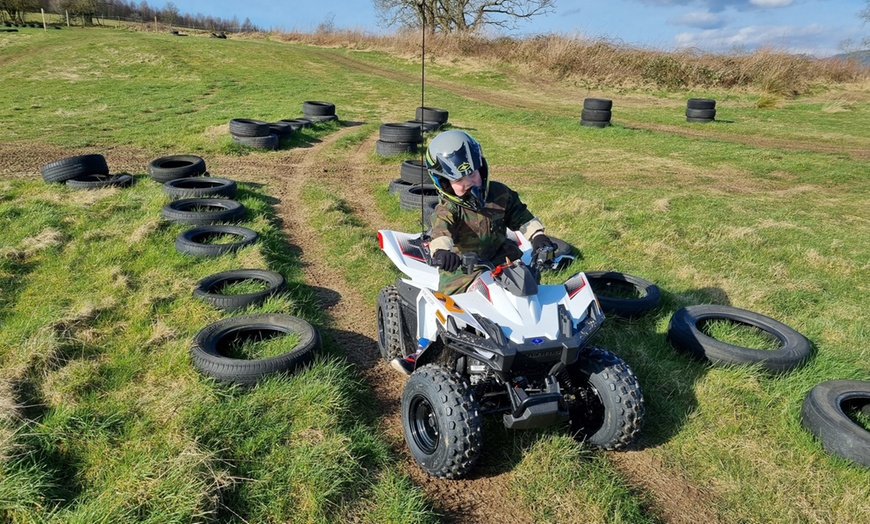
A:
[(67, 18), (44, 26), (155, 23)]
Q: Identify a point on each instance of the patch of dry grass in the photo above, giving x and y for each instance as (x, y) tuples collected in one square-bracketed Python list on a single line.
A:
[(611, 63)]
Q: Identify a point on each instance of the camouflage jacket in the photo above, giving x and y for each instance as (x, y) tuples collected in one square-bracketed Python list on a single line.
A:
[(461, 229)]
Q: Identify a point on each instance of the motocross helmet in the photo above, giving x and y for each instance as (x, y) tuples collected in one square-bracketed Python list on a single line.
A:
[(452, 155)]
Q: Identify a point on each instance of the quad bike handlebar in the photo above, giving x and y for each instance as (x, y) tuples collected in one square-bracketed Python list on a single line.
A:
[(471, 262)]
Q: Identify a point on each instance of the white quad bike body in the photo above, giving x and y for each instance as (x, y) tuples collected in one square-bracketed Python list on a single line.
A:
[(507, 345)]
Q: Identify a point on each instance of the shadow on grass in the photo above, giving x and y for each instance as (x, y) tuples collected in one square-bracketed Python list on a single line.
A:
[(14, 268), (57, 467)]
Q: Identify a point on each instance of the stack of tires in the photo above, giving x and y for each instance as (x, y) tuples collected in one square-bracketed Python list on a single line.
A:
[(700, 110), (596, 112), (419, 196), (253, 133), (415, 189), (83, 172), (319, 111), (429, 118), (398, 138)]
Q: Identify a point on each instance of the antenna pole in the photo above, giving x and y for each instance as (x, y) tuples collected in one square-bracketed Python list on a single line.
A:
[(422, 113)]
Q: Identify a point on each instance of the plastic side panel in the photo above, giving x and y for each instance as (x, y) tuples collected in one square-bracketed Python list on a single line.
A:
[(580, 295), (408, 258), (431, 306)]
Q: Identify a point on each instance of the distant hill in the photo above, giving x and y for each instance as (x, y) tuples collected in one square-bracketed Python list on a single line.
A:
[(861, 56)]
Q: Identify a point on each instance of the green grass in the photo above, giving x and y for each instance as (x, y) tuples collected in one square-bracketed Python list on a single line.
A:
[(219, 238), (242, 287), (739, 334), (105, 419), (261, 346)]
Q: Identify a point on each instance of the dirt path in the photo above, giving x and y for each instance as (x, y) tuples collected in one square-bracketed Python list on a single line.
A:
[(353, 323)]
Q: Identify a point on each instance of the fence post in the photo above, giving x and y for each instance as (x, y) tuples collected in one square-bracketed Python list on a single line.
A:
[(67, 18), (44, 27)]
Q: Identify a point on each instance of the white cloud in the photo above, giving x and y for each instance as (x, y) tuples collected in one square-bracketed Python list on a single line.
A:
[(721, 5), (771, 3), (700, 20), (812, 39)]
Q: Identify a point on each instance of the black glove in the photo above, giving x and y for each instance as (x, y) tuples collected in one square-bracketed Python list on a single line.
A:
[(446, 260), (542, 240)]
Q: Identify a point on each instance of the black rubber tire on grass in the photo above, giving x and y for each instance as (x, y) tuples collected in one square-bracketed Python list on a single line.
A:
[(431, 114), (598, 104), (297, 123), (428, 209), (602, 281), (426, 125), (249, 127), (390, 332), (401, 132), (205, 288), (170, 167), (595, 115), (324, 118), (73, 167), (709, 114), (441, 421), (282, 129), (100, 181), (418, 195), (414, 172), (208, 349), (562, 247), (611, 416), (398, 185), (220, 210), (700, 120), (198, 187), (701, 103), (269, 142), (685, 335), (824, 414), (315, 108), (589, 123), (394, 148), (190, 242)]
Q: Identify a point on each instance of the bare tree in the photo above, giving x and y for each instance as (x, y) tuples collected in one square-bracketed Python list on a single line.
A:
[(86, 9), (17, 8), (169, 14), (865, 15), (460, 15)]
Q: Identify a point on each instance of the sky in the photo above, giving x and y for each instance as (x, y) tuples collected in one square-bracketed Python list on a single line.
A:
[(814, 27)]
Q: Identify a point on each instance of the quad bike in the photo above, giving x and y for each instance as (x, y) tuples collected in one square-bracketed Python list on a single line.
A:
[(508, 345)]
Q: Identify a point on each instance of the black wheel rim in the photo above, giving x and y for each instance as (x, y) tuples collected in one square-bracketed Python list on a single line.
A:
[(424, 424), (587, 411)]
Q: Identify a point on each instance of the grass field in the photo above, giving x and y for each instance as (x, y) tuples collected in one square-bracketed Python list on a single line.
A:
[(103, 418)]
